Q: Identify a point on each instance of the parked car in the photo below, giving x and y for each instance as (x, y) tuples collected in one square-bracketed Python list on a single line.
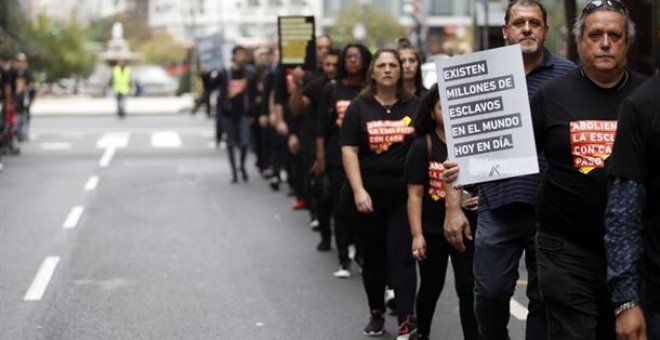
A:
[(148, 80)]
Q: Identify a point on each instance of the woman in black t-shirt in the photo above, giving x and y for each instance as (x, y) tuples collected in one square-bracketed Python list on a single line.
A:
[(376, 134), (337, 95), (426, 214)]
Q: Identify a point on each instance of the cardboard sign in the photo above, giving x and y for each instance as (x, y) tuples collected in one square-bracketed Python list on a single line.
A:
[(210, 51), (297, 42), (486, 115)]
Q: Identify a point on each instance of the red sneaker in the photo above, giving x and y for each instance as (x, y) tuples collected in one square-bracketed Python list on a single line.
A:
[(298, 204)]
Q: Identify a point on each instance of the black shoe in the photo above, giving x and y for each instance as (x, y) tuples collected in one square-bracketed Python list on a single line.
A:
[(244, 175), (376, 325), (274, 183), (324, 245)]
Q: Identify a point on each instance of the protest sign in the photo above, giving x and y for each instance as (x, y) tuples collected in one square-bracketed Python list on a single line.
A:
[(297, 42), (210, 51), (486, 115)]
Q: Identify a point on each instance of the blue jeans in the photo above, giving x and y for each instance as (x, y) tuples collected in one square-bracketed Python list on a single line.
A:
[(121, 105), (502, 236)]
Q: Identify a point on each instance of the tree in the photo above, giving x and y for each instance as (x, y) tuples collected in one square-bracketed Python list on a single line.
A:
[(381, 27), (61, 49)]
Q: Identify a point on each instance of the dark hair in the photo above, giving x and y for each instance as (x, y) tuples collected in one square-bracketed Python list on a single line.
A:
[(370, 89), (419, 84), (333, 52), (424, 122), (236, 49), (366, 60), (507, 14)]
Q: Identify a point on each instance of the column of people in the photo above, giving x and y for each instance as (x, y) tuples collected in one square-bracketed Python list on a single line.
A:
[(363, 145)]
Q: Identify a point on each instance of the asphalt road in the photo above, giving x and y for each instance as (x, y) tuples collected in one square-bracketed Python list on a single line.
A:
[(131, 230)]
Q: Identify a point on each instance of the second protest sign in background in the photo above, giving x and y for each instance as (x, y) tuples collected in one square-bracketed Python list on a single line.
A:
[(486, 114)]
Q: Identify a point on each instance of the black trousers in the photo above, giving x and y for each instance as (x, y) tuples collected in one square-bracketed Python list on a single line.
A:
[(386, 246), (330, 210), (573, 282), (432, 272)]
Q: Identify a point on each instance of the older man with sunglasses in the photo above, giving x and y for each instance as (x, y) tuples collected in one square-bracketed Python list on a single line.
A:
[(575, 122)]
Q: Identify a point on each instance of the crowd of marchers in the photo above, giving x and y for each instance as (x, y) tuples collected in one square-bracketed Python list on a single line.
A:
[(363, 145)]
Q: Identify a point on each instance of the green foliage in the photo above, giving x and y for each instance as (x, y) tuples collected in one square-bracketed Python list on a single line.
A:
[(161, 49), (382, 27), (60, 50)]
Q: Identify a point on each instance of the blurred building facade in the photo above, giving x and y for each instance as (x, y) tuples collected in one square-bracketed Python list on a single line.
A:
[(247, 22)]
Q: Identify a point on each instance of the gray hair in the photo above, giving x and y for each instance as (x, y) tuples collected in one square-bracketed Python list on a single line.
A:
[(578, 28)]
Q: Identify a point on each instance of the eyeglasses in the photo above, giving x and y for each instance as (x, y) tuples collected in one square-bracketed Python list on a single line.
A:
[(597, 4)]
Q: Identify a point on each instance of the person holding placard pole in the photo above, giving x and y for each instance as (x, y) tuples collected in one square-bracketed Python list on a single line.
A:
[(506, 224), (375, 136)]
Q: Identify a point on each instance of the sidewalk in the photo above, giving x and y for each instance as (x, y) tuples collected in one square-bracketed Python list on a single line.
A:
[(82, 105)]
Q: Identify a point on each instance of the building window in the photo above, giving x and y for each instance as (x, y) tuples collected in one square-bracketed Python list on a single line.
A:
[(442, 7)]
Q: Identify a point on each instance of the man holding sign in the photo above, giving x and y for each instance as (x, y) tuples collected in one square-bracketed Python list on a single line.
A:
[(506, 223)]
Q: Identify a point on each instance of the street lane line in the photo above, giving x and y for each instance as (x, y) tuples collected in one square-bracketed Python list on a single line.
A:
[(113, 140), (518, 310), (56, 146), (92, 183), (107, 157), (73, 217), (166, 139), (41, 280)]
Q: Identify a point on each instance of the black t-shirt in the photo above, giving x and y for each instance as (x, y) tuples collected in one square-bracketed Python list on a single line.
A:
[(20, 81), (383, 136), (244, 103), (307, 126), (574, 125), (636, 156), (425, 168), (335, 100)]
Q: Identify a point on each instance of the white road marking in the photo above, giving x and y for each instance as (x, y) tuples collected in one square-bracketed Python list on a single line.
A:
[(166, 139), (92, 183), (73, 217), (41, 280), (56, 146), (107, 157), (518, 310), (113, 140)]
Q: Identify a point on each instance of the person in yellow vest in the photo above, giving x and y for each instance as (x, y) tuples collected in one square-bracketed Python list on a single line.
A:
[(121, 84)]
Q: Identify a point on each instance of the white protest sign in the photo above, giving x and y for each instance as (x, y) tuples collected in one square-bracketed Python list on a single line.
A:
[(486, 115)]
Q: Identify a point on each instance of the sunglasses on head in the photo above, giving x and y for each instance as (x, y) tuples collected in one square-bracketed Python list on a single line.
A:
[(598, 4)]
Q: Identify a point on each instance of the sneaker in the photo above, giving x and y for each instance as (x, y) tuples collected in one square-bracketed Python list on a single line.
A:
[(408, 329), (390, 300), (352, 251), (314, 224), (376, 324), (274, 183), (342, 273), (324, 245), (299, 204)]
